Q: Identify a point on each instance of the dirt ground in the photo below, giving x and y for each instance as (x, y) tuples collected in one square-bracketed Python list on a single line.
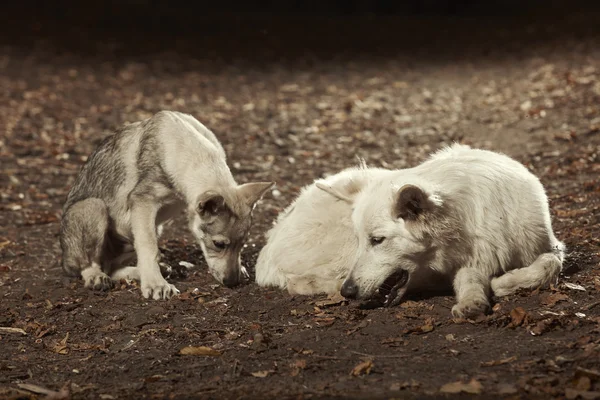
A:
[(292, 100)]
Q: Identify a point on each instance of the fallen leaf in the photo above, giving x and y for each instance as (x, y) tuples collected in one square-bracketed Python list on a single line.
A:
[(541, 327), (327, 321), (363, 368), (61, 347), (498, 362), (553, 298), (297, 366), (425, 328), (473, 387), (397, 386), (583, 383), (573, 394), (590, 373), (363, 324), (394, 342), (507, 388), (262, 374), (332, 300), (517, 316), (199, 351)]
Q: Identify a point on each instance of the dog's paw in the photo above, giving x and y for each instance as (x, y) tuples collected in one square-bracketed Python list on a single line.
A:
[(470, 310), (158, 289), (98, 281)]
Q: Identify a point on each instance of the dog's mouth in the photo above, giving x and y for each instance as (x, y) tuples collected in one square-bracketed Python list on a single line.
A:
[(391, 291)]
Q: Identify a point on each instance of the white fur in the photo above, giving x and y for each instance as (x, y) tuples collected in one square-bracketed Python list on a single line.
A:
[(488, 215), (487, 229), (312, 246)]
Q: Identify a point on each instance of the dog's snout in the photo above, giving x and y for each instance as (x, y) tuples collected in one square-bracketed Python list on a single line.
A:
[(231, 280), (349, 289)]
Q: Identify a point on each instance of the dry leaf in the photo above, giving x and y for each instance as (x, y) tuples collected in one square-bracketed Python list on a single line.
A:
[(590, 373), (262, 374), (297, 366), (61, 347), (363, 368), (573, 394), (473, 387), (551, 299), (541, 327), (507, 388), (425, 328), (393, 341), (199, 351), (498, 362), (583, 383), (517, 316), (324, 321), (332, 300)]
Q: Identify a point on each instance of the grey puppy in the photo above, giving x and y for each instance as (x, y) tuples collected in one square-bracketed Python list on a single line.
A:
[(139, 179)]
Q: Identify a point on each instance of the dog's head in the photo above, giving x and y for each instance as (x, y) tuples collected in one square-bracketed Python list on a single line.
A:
[(221, 222), (391, 224)]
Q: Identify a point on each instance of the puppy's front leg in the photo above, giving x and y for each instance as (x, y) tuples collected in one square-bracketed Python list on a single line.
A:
[(472, 289), (143, 217)]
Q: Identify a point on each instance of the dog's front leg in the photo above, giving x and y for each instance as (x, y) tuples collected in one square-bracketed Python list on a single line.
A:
[(472, 288), (143, 217)]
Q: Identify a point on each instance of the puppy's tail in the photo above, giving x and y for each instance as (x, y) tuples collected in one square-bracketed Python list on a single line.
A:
[(542, 272)]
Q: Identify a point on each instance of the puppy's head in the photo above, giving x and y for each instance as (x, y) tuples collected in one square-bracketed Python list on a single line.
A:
[(221, 222), (391, 225)]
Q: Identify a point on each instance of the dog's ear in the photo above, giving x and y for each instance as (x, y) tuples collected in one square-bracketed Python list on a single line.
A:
[(333, 191), (252, 192), (412, 201), (210, 204)]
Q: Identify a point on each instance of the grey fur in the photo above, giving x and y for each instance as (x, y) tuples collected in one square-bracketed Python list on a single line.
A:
[(140, 178)]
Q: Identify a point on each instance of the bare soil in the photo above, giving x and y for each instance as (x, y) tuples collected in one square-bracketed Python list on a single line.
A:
[(293, 99)]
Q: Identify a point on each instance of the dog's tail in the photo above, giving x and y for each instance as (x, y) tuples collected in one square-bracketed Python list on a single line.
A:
[(542, 272)]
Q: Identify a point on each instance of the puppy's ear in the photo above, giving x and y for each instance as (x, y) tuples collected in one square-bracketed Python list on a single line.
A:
[(252, 192), (210, 204), (412, 201)]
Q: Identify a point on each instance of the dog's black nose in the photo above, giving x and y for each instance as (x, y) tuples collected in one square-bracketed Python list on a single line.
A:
[(231, 280), (349, 289)]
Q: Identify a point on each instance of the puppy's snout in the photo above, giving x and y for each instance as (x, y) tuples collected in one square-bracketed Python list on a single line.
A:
[(349, 289), (231, 280)]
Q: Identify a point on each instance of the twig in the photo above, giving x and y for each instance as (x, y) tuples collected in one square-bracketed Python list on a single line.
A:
[(590, 306), (380, 356), (5, 329), (35, 389)]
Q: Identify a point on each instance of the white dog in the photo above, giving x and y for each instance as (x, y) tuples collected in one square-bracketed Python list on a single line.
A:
[(476, 218)]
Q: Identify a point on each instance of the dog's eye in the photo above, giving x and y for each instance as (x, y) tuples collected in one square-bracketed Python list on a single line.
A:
[(375, 240), (220, 244)]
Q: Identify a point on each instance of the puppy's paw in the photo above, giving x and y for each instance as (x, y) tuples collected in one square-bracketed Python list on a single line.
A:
[(97, 281), (158, 289), (471, 309)]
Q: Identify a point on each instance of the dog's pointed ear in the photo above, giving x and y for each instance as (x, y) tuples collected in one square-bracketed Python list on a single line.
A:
[(334, 192), (252, 192), (412, 201), (210, 204)]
